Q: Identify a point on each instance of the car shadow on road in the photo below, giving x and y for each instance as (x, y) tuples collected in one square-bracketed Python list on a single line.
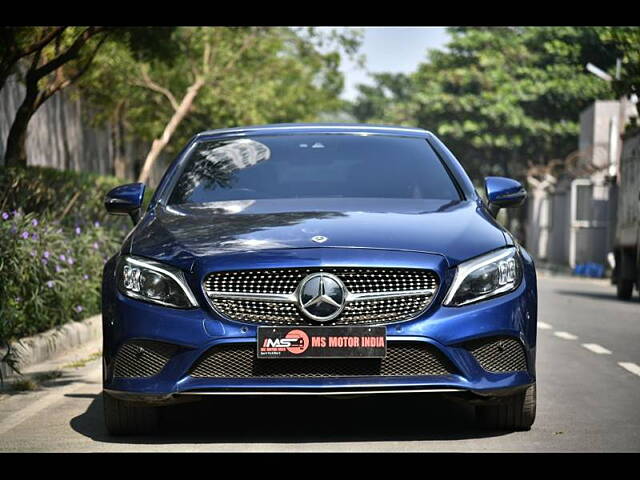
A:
[(274, 419), (598, 296)]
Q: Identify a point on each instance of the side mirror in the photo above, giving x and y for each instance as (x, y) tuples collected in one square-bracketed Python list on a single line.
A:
[(503, 193), (125, 200)]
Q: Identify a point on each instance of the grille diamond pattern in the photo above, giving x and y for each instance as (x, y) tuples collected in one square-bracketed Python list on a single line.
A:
[(285, 281)]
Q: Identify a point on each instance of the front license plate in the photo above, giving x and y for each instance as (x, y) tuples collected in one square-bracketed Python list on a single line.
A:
[(322, 342)]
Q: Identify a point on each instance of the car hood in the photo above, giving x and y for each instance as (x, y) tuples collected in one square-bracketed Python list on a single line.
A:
[(457, 230)]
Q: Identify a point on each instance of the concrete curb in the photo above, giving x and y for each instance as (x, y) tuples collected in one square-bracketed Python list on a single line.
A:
[(51, 344)]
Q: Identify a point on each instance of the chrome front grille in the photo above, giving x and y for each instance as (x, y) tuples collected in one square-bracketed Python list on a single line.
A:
[(263, 312), (369, 312), (373, 295), (239, 360)]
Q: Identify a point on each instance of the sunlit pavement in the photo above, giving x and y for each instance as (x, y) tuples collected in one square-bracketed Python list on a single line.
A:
[(588, 397)]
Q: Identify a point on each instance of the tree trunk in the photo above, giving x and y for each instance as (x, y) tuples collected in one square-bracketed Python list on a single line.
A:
[(120, 169), (159, 143), (16, 152)]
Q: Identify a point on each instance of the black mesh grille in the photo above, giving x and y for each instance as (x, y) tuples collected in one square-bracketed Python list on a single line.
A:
[(499, 354), (355, 279), (238, 360), (142, 358)]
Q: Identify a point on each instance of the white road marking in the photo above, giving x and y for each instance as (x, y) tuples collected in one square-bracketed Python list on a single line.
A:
[(632, 367), (544, 326), (46, 401), (595, 348), (565, 335)]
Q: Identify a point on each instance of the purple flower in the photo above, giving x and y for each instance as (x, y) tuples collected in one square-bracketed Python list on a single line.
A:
[(58, 269), (25, 235), (33, 253), (95, 245), (34, 222), (50, 284), (5, 216), (85, 276), (13, 230), (34, 236), (46, 254), (70, 261), (44, 261), (78, 230), (79, 308), (63, 258), (96, 224)]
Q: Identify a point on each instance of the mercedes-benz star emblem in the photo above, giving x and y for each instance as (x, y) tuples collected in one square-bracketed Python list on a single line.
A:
[(319, 239), (321, 296)]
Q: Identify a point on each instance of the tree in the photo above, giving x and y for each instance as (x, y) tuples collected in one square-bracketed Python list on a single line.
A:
[(219, 55), (219, 76), (626, 42), (506, 99), (502, 98), (20, 42), (59, 56), (375, 102)]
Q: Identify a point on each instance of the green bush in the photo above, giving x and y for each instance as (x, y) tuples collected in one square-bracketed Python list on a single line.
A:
[(50, 274), (55, 236), (68, 196)]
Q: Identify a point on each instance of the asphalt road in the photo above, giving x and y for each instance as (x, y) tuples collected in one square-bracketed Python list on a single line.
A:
[(588, 397)]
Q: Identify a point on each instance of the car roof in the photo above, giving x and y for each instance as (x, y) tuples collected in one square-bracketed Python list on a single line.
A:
[(293, 128)]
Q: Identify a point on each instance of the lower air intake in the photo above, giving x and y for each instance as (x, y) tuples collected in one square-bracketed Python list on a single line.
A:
[(498, 354), (238, 360), (142, 358)]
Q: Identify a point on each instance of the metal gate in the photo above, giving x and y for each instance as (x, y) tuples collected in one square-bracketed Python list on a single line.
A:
[(589, 222)]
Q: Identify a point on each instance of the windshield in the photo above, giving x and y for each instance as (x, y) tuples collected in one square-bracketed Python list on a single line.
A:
[(299, 166)]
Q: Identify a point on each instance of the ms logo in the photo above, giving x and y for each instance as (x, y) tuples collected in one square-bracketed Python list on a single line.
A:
[(295, 341)]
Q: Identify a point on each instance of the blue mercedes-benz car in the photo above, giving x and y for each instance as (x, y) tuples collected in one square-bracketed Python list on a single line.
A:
[(322, 259)]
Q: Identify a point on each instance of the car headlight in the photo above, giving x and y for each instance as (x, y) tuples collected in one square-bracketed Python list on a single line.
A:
[(484, 277), (154, 282)]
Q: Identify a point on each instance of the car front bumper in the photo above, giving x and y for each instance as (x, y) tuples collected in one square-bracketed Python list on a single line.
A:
[(195, 332)]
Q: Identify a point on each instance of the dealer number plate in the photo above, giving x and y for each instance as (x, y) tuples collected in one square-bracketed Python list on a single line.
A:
[(322, 342)]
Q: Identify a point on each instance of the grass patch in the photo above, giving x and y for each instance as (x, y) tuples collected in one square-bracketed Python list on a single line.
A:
[(24, 385), (84, 361)]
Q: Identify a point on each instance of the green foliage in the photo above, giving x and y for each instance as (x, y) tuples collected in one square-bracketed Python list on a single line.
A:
[(384, 100), (255, 75), (626, 42), (47, 190), (50, 274), (51, 260), (500, 97), (147, 43)]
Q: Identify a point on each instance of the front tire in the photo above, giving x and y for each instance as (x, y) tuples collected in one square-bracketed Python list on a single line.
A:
[(624, 288), (518, 412), (126, 418)]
